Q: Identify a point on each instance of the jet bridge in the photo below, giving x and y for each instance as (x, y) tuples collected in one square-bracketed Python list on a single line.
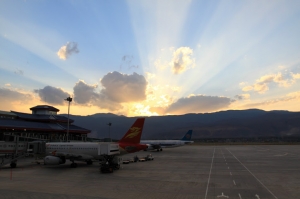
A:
[(10, 152), (36, 148)]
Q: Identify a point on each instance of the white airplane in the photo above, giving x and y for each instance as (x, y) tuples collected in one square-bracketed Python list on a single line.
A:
[(88, 151), (160, 144)]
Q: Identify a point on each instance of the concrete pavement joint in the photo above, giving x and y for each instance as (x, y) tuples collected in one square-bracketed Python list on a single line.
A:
[(212, 161), (252, 174)]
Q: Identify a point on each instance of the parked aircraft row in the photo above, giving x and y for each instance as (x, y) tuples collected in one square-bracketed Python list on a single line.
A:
[(87, 151), (59, 152)]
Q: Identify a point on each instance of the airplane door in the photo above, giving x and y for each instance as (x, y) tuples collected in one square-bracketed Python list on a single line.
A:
[(99, 149)]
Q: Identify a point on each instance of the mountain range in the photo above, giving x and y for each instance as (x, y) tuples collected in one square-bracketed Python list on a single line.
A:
[(252, 123)]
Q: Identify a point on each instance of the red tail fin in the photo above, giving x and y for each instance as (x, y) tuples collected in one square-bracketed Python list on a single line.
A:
[(134, 134)]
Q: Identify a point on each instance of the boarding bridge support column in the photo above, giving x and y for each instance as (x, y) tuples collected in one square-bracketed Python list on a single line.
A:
[(37, 148)]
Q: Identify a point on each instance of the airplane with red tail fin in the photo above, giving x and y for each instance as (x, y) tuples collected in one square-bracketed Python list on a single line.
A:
[(89, 151), (130, 142)]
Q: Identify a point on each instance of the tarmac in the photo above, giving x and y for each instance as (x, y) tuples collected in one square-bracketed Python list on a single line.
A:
[(206, 172)]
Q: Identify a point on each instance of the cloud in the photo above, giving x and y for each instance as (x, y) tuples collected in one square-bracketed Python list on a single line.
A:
[(150, 75), (87, 95), (176, 88), (247, 88), (282, 67), (242, 84), (182, 60), (84, 93), (296, 76), (293, 95), (52, 95), (127, 62), (65, 51), (242, 96), (261, 87), (287, 98), (11, 99), (116, 89), (8, 84), (282, 82), (262, 84), (197, 104), (11, 95), (160, 65), (158, 110), (18, 72), (124, 88)]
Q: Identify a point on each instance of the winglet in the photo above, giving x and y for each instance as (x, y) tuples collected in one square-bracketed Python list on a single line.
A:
[(187, 136), (134, 134)]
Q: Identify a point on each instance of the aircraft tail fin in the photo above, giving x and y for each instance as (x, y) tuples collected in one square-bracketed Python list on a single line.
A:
[(134, 134), (187, 136)]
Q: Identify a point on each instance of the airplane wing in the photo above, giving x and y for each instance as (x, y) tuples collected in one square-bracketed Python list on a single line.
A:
[(153, 146)]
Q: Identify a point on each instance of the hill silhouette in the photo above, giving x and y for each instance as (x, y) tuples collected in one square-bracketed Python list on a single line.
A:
[(252, 123)]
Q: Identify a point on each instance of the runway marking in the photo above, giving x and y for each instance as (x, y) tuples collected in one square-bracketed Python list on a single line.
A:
[(212, 161), (257, 196), (222, 196), (281, 154), (252, 175), (230, 173), (228, 167), (234, 182), (240, 196)]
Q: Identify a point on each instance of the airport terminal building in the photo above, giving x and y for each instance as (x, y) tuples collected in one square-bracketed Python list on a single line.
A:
[(42, 124)]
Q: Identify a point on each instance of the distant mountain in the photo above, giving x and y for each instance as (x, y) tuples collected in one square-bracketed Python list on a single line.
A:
[(250, 123), (97, 115)]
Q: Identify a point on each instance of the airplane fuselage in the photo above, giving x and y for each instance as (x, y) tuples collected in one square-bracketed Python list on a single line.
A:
[(12, 147), (131, 148), (90, 149), (166, 143)]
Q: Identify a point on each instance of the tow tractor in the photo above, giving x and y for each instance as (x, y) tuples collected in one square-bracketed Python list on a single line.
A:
[(149, 157), (110, 163)]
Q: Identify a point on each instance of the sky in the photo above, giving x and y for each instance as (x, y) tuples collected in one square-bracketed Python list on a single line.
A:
[(148, 58)]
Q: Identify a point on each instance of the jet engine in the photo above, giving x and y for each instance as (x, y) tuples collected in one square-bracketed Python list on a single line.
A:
[(149, 147), (52, 160)]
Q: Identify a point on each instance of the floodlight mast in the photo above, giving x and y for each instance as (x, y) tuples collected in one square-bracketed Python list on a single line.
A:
[(69, 99), (109, 125)]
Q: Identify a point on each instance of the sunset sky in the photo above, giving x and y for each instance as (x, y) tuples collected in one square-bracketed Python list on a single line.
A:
[(146, 57)]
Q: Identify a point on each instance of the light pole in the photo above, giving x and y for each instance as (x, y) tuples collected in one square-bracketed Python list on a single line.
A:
[(109, 125), (69, 99)]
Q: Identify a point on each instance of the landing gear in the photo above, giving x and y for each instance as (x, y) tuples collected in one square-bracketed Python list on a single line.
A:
[(73, 165), (13, 164), (108, 165), (89, 162), (106, 169)]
